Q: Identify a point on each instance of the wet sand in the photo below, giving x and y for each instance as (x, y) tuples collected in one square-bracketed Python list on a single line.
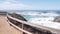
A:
[(5, 28)]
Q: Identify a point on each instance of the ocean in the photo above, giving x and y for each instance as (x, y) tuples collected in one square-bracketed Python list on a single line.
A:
[(40, 17), (28, 14)]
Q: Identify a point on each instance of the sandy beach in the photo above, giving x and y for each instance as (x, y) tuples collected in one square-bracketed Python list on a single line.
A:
[(5, 28)]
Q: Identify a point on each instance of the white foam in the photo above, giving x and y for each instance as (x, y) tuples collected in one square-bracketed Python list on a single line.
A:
[(48, 22), (48, 14), (29, 13), (45, 23)]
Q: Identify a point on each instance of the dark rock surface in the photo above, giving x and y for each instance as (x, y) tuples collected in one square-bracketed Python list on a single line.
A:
[(18, 16)]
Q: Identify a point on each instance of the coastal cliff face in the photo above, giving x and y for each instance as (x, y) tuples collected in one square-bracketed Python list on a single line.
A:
[(57, 19), (18, 16)]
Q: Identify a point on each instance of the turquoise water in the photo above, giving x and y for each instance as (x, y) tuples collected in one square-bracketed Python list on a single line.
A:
[(27, 17)]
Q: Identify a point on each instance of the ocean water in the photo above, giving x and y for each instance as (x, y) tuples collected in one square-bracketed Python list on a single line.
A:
[(40, 17), (28, 14)]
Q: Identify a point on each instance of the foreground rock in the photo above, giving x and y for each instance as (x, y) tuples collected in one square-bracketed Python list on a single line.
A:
[(57, 19), (18, 16)]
